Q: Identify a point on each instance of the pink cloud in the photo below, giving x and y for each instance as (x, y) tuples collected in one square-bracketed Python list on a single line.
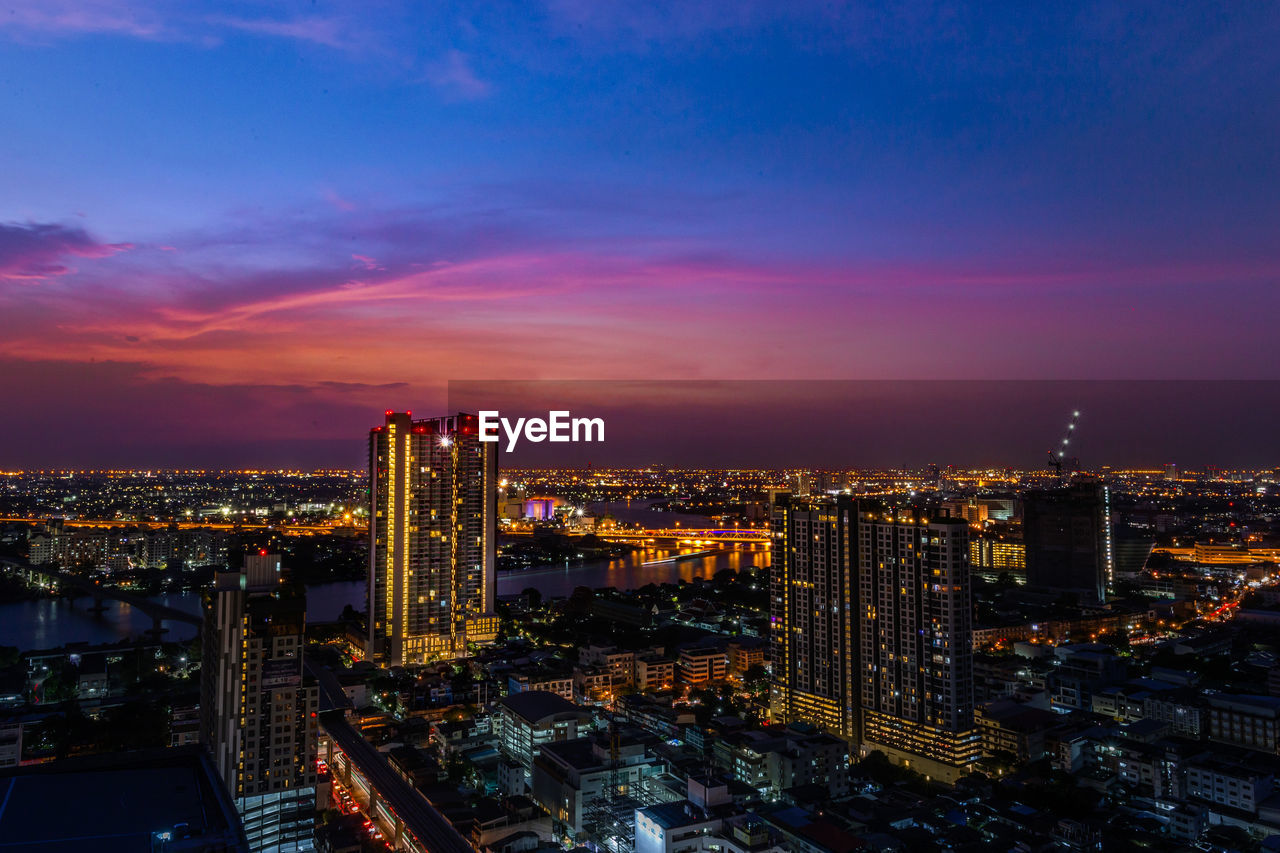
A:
[(77, 17), (338, 202), (454, 76), (328, 32), (437, 294), (35, 251), (154, 20)]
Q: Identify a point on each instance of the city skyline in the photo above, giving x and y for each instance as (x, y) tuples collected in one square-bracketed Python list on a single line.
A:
[(717, 427), (258, 210)]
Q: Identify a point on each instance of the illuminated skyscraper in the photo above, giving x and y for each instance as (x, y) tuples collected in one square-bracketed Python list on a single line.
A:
[(433, 520), (813, 588), (257, 709), (916, 639)]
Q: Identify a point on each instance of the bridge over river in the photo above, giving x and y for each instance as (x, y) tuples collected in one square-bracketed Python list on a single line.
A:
[(159, 613)]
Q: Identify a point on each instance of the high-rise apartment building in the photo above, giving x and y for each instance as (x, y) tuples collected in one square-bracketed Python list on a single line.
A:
[(433, 521), (1069, 541), (872, 629), (915, 639), (813, 589), (257, 709)]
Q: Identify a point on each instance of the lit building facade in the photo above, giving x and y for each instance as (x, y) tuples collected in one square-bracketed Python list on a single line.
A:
[(994, 556), (813, 591), (433, 521), (258, 711), (915, 644)]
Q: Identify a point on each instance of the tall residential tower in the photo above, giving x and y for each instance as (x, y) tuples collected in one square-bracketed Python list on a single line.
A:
[(257, 709), (433, 521), (915, 618), (813, 588)]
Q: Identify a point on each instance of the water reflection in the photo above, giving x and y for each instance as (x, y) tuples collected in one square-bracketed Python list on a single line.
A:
[(49, 623), (637, 569)]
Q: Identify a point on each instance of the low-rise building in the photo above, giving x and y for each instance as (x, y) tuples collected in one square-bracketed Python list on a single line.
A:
[(1013, 729), (526, 721), (703, 664), (621, 664), (654, 672), (571, 777), (1230, 782), (1247, 721), (592, 684), (782, 758), (539, 678), (654, 716), (744, 654)]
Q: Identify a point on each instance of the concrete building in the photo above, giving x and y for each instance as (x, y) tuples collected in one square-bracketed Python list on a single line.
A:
[(654, 672), (706, 822), (1247, 721), (541, 678), (621, 664), (744, 654), (1013, 729), (1069, 539), (785, 757), (524, 722), (1229, 783), (704, 664), (571, 776)]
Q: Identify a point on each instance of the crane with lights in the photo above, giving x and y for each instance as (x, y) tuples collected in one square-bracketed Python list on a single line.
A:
[(1058, 456)]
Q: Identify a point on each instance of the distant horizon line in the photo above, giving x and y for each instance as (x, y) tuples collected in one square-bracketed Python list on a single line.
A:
[(997, 470)]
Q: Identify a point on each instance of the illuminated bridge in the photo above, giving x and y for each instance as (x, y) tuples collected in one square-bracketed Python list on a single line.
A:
[(688, 536), (158, 612)]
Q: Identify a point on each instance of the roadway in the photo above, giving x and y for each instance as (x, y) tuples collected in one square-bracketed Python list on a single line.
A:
[(331, 696), (421, 820)]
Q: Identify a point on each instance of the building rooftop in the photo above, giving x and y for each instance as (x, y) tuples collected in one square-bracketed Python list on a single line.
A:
[(535, 706), (578, 753), (121, 802), (671, 815)]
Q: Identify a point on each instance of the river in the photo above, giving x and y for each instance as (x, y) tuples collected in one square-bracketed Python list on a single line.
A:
[(631, 572), (49, 623)]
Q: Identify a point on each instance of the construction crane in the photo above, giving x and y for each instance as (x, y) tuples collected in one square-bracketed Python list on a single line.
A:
[(1058, 456)]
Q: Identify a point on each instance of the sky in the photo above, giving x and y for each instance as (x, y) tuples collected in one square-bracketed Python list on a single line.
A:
[(235, 233)]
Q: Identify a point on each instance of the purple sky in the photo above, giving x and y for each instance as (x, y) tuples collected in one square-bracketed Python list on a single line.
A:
[(235, 233)]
